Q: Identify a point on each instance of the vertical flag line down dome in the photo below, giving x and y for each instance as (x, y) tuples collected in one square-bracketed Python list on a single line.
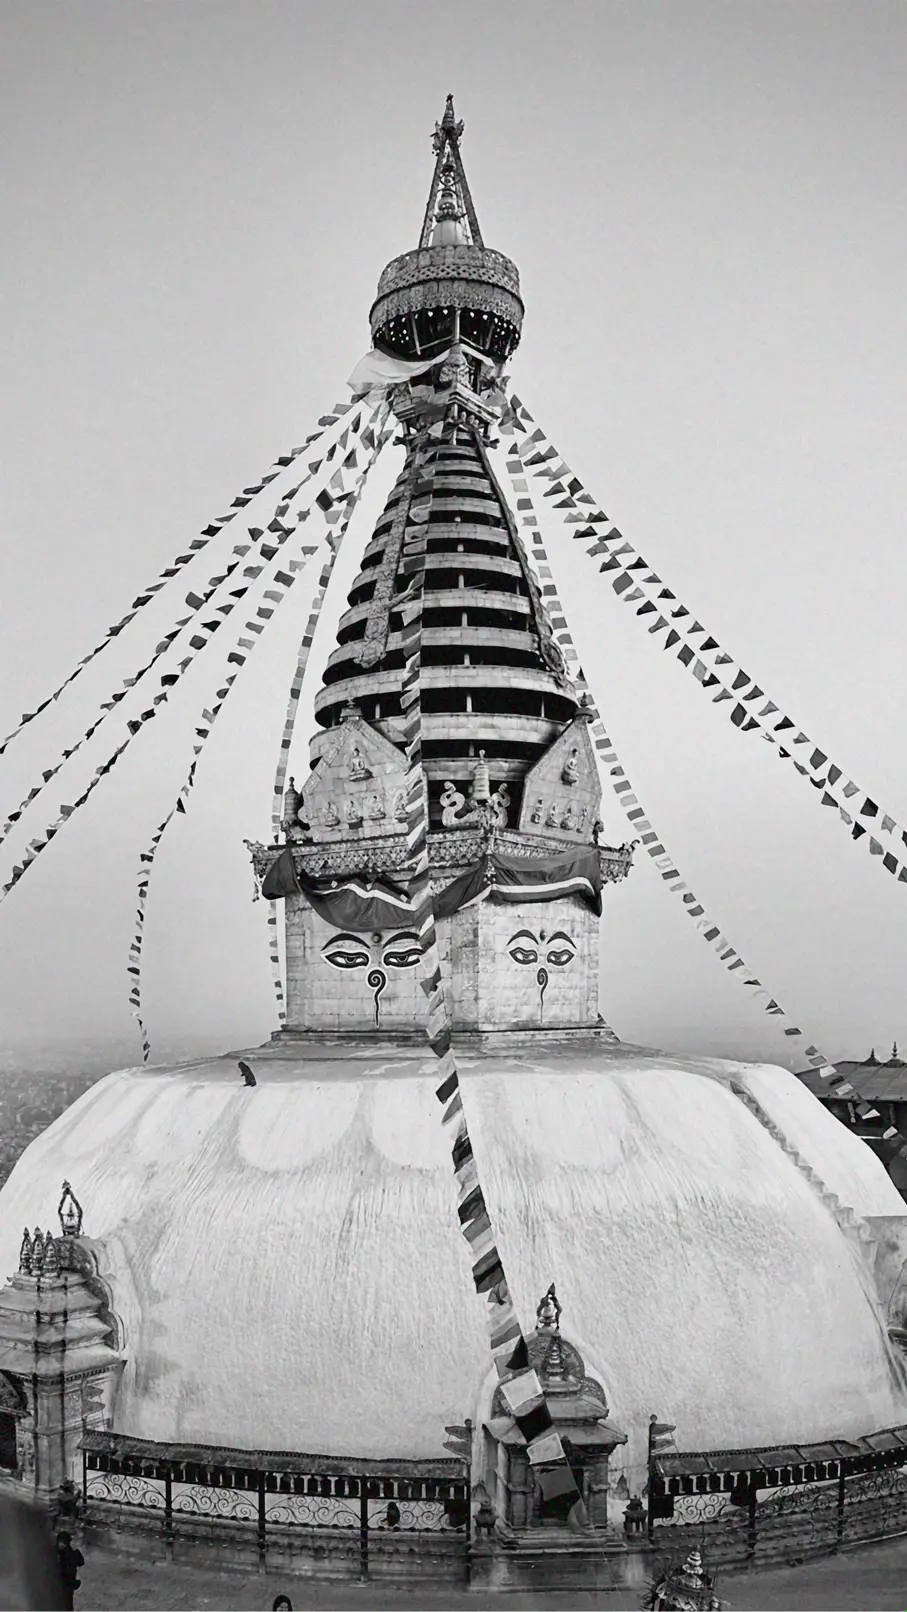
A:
[(522, 1387)]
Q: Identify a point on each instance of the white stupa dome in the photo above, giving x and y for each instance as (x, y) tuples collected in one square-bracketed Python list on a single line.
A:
[(286, 1263)]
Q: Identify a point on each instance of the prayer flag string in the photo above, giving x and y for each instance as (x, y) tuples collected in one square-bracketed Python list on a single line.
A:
[(649, 837), (329, 507), (213, 529), (197, 603), (748, 707), (336, 507), (521, 1385)]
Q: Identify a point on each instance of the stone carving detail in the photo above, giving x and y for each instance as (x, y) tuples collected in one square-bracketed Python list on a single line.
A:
[(488, 812), (357, 768), (562, 791), (346, 794), (570, 770), (453, 805)]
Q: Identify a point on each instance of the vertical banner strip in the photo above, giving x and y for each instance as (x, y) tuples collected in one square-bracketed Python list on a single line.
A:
[(331, 509), (642, 826), (749, 709), (508, 1343), (212, 530)]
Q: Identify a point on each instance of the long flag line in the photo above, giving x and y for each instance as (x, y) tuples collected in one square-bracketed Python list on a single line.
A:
[(196, 603), (751, 710), (340, 509), (324, 501), (212, 530), (642, 825), (521, 1386), (384, 431)]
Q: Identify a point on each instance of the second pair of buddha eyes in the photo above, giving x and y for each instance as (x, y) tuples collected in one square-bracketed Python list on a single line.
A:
[(557, 949)]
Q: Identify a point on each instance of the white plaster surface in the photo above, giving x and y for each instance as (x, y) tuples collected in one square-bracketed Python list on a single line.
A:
[(288, 1266)]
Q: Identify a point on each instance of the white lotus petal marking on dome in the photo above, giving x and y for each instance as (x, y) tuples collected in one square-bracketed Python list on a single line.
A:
[(176, 1129), (406, 1124), (285, 1126), (104, 1114)]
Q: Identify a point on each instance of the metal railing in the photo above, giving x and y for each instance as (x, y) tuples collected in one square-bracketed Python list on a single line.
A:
[(765, 1505), (269, 1492)]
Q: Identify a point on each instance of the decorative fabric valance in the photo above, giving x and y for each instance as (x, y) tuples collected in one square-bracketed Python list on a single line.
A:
[(378, 903)]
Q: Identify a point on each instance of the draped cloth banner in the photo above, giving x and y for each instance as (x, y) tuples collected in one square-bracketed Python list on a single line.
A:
[(359, 904), (650, 839), (213, 529), (748, 707), (508, 1343), (330, 512)]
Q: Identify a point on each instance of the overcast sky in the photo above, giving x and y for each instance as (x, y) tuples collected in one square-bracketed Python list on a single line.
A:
[(707, 206)]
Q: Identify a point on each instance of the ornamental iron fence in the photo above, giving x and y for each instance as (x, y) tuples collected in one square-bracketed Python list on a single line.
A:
[(351, 1500), (789, 1503)]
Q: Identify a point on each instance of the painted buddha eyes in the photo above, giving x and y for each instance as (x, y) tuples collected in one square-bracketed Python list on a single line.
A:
[(524, 947), (403, 951), (346, 951), (350, 951)]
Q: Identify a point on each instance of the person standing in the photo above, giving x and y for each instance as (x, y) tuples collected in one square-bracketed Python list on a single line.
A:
[(70, 1561)]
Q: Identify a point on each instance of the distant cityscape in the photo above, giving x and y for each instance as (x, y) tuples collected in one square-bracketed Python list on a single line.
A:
[(29, 1102), (31, 1098)]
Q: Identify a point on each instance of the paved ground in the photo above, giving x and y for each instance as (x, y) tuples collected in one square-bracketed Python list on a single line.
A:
[(870, 1580)]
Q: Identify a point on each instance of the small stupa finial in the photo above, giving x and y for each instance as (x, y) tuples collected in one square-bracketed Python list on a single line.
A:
[(70, 1212), (548, 1312), (450, 217)]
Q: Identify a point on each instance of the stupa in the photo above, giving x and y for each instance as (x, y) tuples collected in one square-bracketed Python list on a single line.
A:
[(275, 1264)]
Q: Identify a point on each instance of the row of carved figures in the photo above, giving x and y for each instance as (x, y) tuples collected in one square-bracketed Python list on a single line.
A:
[(570, 817), (38, 1255)]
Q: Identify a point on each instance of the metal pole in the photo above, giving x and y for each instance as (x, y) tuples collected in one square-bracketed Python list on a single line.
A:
[(168, 1509), (842, 1496), (650, 1520), (467, 1468), (262, 1520), (84, 1480), (751, 1519), (363, 1528)]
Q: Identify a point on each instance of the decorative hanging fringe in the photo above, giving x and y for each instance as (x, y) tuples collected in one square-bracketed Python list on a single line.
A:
[(326, 503), (332, 509), (522, 1388), (642, 825), (713, 668), (213, 529)]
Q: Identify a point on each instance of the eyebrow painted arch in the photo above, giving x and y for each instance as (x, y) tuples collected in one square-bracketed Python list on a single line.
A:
[(524, 934), (561, 934), (354, 940)]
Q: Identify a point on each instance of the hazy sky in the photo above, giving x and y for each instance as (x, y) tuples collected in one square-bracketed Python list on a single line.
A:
[(707, 206)]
